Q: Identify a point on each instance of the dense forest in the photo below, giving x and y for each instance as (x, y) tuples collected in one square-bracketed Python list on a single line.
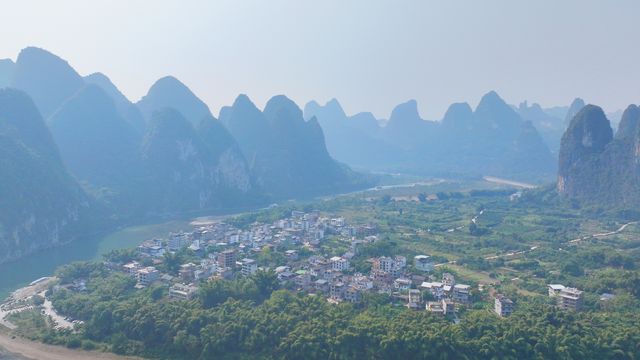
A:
[(249, 318)]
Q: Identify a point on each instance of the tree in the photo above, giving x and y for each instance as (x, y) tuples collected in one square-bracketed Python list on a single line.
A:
[(266, 282), (38, 300), (573, 268), (172, 262)]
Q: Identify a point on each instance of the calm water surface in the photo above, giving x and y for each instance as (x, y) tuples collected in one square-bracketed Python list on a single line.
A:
[(23, 271)]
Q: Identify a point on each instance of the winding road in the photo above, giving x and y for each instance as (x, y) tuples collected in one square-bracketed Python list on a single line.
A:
[(522, 252)]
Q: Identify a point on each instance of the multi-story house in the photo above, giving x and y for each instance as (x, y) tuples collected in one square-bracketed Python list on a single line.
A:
[(227, 259), (434, 288), (147, 275), (570, 299), (352, 294), (131, 268), (402, 284), (182, 292), (503, 306), (555, 289), (339, 263), (249, 267), (336, 290), (448, 279), (422, 263), (461, 293), (178, 241)]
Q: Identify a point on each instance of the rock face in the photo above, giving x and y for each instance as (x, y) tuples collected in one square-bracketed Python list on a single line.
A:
[(232, 169), (40, 204), (247, 125), (164, 155), (185, 171), (97, 145), (126, 109), (576, 105), (595, 167), (169, 92), (287, 154), (46, 78)]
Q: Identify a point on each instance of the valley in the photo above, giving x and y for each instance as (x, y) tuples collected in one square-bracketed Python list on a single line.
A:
[(494, 244), (319, 180)]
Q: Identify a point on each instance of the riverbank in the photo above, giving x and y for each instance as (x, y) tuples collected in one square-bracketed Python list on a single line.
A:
[(19, 273), (27, 349)]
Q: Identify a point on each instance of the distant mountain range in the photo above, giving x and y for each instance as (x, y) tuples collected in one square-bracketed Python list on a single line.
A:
[(67, 142), (493, 139), (286, 154), (73, 145)]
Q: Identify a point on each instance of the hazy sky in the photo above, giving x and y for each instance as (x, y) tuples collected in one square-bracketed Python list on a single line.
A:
[(369, 54)]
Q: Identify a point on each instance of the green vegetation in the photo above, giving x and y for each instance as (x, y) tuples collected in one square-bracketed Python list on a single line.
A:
[(523, 245), (227, 322)]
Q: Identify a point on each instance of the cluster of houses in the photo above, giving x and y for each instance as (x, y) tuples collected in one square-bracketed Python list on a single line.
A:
[(226, 252), (445, 294)]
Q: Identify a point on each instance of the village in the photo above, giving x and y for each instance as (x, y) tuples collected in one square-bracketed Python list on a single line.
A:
[(226, 252)]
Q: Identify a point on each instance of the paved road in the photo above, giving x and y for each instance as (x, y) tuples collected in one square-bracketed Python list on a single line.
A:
[(516, 253), (605, 234), (574, 241)]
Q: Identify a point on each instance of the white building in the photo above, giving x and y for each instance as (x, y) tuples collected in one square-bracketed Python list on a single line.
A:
[(177, 241), (435, 288), (555, 289), (249, 267), (182, 292), (131, 268), (402, 284), (414, 299), (339, 263), (422, 263), (570, 299), (400, 262), (148, 275)]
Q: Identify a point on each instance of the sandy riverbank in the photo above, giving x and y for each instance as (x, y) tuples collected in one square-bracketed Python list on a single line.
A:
[(39, 351), (519, 184)]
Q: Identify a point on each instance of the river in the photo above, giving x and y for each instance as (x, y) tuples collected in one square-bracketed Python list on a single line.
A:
[(21, 272)]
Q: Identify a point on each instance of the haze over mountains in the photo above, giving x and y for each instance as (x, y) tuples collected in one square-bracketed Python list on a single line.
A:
[(87, 147), (492, 139), (166, 154), (40, 203)]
